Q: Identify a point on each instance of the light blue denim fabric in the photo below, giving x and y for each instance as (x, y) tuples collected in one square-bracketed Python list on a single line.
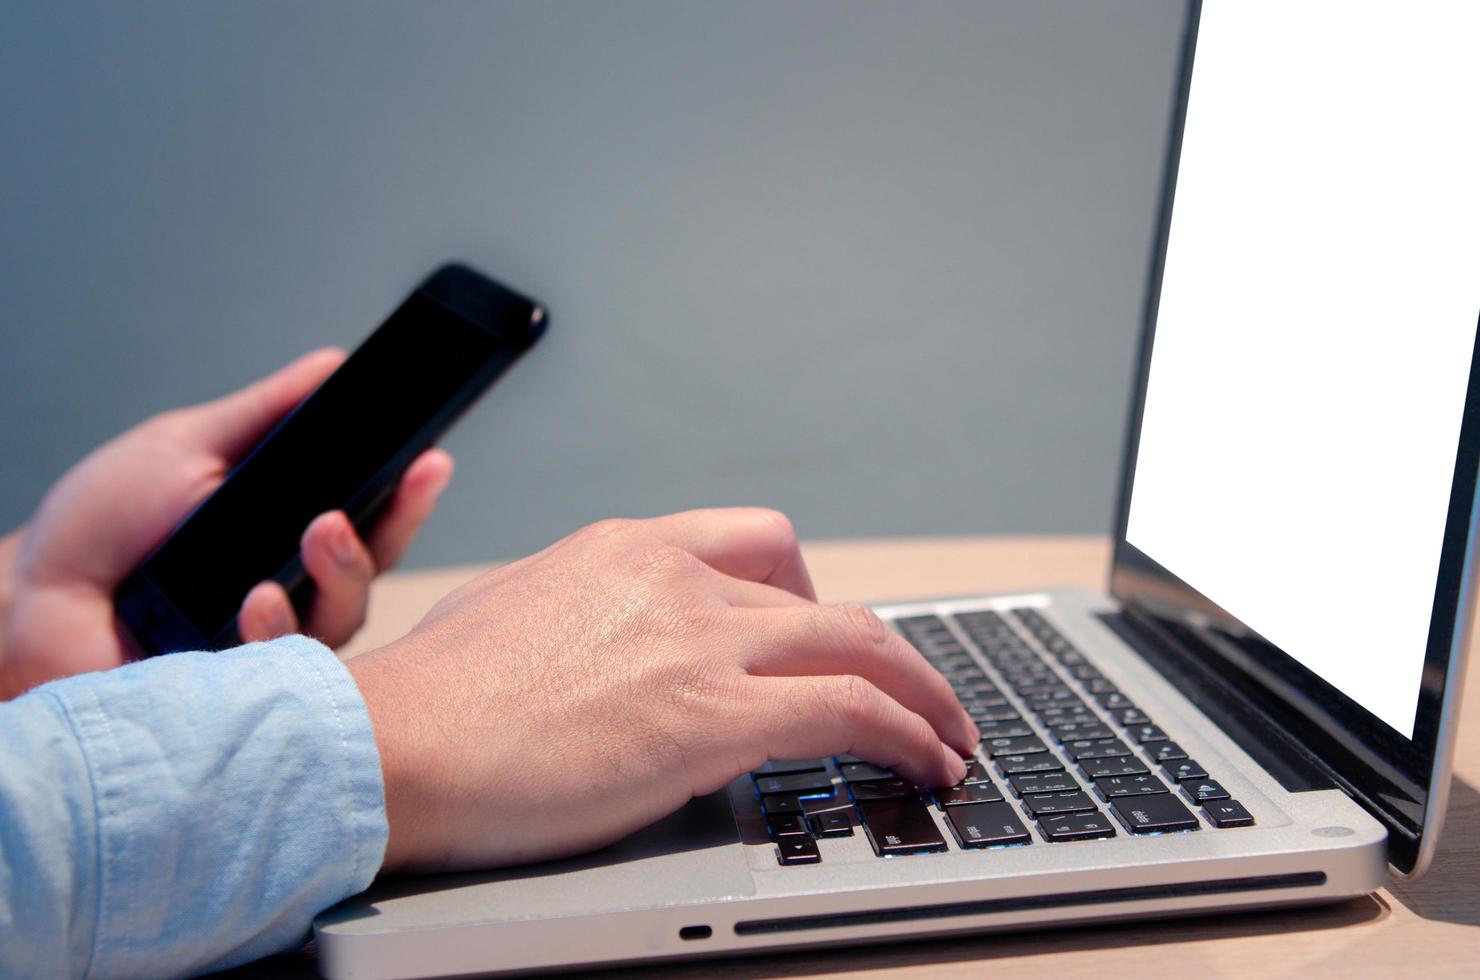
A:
[(183, 814)]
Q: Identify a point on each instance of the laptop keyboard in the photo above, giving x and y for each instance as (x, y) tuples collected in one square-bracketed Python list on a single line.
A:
[(1077, 765)]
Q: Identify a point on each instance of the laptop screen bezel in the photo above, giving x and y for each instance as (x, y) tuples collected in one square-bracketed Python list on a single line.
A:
[(1403, 782)]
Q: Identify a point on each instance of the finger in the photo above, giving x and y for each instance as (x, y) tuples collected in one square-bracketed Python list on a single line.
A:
[(342, 570), (811, 717), (750, 543), (266, 614), (414, 500), (853, 640), (741, 594), (231, 425)]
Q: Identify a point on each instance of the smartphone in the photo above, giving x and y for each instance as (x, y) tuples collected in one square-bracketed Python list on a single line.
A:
[(344, 447)]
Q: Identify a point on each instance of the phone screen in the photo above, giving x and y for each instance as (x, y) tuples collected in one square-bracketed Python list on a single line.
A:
[(332, 452)]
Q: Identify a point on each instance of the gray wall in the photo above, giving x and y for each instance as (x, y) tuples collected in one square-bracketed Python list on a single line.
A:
[(879, 265)]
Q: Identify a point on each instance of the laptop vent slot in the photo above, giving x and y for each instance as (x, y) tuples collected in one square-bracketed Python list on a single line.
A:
[(1032, 903)]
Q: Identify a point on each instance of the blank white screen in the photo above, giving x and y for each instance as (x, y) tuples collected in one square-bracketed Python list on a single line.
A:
[(1313, 339)]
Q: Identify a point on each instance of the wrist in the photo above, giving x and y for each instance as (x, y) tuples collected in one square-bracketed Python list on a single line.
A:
[(10, 547), (374, 675)]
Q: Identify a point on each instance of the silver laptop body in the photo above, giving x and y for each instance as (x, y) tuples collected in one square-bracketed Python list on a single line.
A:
[(1299, 771)]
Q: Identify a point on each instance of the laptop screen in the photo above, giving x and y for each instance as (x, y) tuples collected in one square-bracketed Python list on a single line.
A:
[(1318, 307), (1292, 491)]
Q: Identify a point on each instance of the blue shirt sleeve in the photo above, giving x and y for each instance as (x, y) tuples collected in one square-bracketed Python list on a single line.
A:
[(186, 813)]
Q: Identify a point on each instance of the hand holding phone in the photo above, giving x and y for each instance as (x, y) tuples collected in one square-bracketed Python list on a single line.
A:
[(344, 448)]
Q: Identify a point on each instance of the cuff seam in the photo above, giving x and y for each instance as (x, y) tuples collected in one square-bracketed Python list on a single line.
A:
[(102, 813), (349, 786)]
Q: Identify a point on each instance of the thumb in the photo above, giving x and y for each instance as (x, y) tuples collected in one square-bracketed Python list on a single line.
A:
[(233, 424)]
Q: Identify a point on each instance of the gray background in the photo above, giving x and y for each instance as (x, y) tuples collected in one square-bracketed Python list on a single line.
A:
[(879, 265)]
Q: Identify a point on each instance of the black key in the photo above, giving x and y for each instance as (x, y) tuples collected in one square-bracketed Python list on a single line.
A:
[(801, 782), (787, 825), (1160, 814), (798, 850), (1059, 697), (1006, 729), (984, 695), (776, 768), (1075, 730), (976, 772), (1130, 716), (1002, 712), (961, 675), (923, 623), (1076, 826), (1011, 765), (1121, 765), (833, 823), (862, 772), (901, 827), (781, 804), (817, 804), (1083, 672), (1104, 748), (1045, 804), (1143, 785), (999, 747), (1201, 791), (1186, 769), (1143, 734), (883, 789), (1041, 689), (987, 825), (1100, 686), (1061, 714), (1228, 813), (1028, 670), (967, 793), (1167, 752), (1044, 782), (1115, 701)]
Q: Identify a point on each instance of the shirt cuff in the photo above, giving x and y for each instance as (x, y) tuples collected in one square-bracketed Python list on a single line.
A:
[(237, 794)]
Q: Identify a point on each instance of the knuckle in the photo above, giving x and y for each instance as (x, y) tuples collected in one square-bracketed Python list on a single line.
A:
[(609, 528), (779, 524), (652, 559), (690, 613), (706, 690), (867, 629), (167, 426), (857, 700)]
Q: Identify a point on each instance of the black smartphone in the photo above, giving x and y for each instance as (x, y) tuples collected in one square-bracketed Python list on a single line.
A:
[(343, 448)]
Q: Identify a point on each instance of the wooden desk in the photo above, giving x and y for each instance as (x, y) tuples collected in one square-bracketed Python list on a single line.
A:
[(1431, 927)]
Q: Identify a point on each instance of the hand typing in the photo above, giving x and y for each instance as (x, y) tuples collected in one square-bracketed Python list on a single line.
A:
[(558, 703)]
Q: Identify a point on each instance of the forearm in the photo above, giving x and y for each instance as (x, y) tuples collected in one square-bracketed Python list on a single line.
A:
[(185, 813)]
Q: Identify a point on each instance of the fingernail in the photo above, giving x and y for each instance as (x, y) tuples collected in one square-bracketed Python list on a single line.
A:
[(342, 545)]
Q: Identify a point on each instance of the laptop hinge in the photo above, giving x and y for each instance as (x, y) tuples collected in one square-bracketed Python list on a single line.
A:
[(1281, 755)]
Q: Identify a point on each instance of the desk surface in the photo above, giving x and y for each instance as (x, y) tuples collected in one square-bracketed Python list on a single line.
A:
[(1431, 926)]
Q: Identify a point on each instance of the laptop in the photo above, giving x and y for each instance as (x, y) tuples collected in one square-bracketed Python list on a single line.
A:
[(1260, 709)]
